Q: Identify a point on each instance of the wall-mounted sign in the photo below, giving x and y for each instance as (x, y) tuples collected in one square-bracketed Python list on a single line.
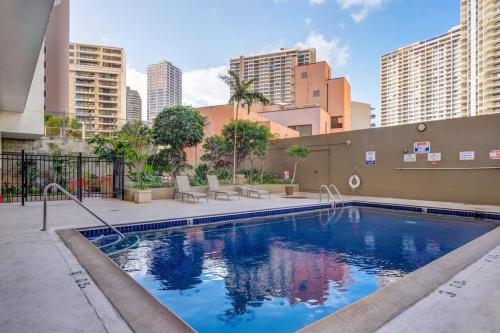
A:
[(434, 157), (422, 147), (370, 158), (407, 158), (495, 154), (467, 155)]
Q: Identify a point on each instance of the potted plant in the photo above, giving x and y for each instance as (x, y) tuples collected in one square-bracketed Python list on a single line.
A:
[(297, 153)]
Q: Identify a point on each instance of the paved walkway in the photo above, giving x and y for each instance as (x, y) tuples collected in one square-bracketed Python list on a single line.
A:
[(44, 289)]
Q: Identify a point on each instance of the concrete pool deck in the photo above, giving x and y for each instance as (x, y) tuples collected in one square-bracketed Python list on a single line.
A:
[(44, 289)]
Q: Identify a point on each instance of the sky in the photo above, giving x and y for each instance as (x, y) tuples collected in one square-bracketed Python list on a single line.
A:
[(201, 36)]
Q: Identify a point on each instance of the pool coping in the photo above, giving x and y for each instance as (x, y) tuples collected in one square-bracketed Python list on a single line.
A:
[(148, 314)]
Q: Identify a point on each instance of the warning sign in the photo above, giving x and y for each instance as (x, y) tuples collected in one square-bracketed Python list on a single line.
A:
[(434, 157), (467, 155), (422, 147), (495, 154), (408, 158), (370, 158)]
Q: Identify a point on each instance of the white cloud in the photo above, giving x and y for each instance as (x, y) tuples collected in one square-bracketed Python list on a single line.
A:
[(360, 8), (316, 2), (202, 87), (331, 50), (138, 81), (307, 21)]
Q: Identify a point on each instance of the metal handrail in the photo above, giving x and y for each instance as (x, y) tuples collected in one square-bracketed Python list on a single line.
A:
[(60, 188), (337, 190), (328, 191)]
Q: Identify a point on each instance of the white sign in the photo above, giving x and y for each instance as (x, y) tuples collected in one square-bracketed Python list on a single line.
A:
[(495, 154), (410, 158), (467, 155), (370, 158), (422, 147), (434, 157)]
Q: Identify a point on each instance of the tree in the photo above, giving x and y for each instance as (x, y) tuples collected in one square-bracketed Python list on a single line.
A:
[(178, 128), (251, 97), (216, 148), (298, 153), (250, 138), (240, 89)]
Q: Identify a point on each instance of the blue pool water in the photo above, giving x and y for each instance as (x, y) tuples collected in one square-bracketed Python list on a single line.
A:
[(285, 272)]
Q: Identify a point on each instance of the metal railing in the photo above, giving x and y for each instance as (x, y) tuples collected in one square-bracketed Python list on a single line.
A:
[(60, 188), (330, 194)]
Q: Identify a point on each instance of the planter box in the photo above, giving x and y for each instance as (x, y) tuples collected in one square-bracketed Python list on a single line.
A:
[(168, 192), (142, 196)]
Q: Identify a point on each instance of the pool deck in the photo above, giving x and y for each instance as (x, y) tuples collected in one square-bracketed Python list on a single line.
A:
[(43, 288)]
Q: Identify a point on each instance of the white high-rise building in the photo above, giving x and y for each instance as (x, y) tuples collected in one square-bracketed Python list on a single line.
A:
[(480, 21), (164, 87), (273, 71), (421, 81), (454, 75)]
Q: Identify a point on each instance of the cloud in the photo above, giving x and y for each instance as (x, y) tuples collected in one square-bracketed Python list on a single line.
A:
[(307, 21), (202, 87), (316, 2), (138, 81), (331, 50), (360, 8)]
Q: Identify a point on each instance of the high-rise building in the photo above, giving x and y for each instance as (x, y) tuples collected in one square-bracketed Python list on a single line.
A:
[(164, 87), (273, 72), (480, 50), (134, 105), (421, 81), (97, 87), (454, 75)]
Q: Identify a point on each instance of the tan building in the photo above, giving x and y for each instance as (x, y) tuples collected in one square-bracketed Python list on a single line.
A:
[(314, 86), (164, 87), (480, 49), (97, 95), (273, 71), (361, 115), (420, 82)]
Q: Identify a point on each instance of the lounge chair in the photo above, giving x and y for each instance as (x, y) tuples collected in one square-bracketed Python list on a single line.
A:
[(249, 190), (213, 186), (184, 189)]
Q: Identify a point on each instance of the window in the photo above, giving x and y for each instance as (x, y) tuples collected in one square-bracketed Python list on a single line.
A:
[(304, 130), (303, 75), (315, 93), (337, 122)]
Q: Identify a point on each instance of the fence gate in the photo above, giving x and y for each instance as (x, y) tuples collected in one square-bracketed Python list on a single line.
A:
[(23, 176)]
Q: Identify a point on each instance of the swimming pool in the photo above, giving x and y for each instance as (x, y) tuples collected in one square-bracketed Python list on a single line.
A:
[(286, 272)]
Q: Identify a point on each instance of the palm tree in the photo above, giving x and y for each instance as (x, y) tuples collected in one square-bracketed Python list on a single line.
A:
[(253, 97), (240, 91)]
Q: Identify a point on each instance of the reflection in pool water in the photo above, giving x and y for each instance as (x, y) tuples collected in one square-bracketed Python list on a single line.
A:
[(287, 272)]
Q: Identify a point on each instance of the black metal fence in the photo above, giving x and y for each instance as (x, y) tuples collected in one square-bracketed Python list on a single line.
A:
[(24, 176)]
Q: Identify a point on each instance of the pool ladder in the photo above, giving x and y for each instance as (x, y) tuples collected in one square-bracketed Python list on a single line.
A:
[(327, 189), (60, 188)]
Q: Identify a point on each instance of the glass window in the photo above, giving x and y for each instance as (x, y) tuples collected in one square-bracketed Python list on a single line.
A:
[(304, 130), (315, 93), (303, 75)]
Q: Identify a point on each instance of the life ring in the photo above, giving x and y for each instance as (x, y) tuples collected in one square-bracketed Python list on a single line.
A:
[(354, 182)]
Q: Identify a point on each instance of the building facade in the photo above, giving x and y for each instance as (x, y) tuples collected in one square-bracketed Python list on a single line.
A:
[(56, 60), (480, 49), (453, 75), (421, 81), (134, 105), (273, 72), (97, 95), (164, 87)]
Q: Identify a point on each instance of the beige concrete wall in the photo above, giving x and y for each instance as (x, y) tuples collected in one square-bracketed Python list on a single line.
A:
[(314, 116), (332, 161), (360, 115), (339, 101)]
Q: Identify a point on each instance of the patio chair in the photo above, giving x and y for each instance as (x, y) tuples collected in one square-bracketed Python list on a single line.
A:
[(213, 186), (184, 189), (249, 190)]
